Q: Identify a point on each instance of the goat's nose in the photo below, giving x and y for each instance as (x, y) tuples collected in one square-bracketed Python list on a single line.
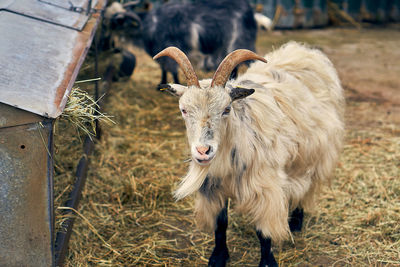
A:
[(203, 149)]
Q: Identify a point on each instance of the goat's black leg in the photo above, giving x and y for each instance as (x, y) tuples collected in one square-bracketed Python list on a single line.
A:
[(163, 77), (296, 220), (175, 76), (220, 254), (267, 258), (163, 80)]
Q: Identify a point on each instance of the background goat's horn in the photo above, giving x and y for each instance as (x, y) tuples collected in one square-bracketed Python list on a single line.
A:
[(131, 3), (180, 58), (233, 59)]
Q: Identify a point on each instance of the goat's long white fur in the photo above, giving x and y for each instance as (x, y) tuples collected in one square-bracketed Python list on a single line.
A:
[(279, 145)]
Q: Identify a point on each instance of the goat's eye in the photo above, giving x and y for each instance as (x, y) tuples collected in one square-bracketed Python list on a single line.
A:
[(184, 112), (226, 111)]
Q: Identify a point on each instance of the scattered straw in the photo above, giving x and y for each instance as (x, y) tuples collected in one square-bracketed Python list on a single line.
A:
[(92, 228), (88, 80), (139, 161)]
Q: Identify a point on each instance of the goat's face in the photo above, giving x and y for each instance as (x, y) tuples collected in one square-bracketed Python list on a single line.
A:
[(205, 112), (120, 19), (206, 105)]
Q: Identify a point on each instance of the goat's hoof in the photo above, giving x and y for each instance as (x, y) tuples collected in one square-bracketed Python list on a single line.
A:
[(219, 258), (268, 261)]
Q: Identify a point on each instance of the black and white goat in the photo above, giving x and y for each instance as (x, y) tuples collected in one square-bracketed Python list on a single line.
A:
[(268, 140), (205, 30)]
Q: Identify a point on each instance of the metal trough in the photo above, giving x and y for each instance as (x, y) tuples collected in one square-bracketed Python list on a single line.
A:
[(43, 47)]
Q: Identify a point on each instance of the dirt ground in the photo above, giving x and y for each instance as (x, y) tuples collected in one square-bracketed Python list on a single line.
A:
[(128, 216)]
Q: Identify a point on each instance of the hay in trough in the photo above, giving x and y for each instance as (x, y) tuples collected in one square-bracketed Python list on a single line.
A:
[(128, 217), (82, 112)]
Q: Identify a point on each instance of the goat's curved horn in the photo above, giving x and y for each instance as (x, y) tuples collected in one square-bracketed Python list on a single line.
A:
[(183, 62), (233, 59), (131, 3), (134, 16)]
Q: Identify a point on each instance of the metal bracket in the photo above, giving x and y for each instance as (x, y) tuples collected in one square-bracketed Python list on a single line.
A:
[(75, 8)]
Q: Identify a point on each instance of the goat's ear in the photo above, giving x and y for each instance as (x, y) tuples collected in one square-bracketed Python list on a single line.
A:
[(240, 92), (174, 89)]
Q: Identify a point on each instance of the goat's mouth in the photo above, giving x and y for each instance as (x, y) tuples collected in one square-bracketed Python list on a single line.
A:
[(204, 162)]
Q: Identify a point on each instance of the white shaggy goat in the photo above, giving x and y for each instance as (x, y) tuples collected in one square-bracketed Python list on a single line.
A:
[(268, 140)]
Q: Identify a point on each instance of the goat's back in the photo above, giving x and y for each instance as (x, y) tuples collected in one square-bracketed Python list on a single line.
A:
[(299, 99), (308, 65)]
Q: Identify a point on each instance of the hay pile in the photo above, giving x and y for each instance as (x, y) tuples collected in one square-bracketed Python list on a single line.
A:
[(129, 217), (82, 112), (339, 17)]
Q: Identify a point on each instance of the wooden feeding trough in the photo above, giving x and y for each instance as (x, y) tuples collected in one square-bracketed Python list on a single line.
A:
[(43, 44)]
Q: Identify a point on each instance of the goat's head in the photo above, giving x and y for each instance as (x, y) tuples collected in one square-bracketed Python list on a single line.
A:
[(206, 106), (121, 16)]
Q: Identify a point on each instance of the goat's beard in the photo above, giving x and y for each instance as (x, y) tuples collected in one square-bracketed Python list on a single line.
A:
[(192, 181)]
